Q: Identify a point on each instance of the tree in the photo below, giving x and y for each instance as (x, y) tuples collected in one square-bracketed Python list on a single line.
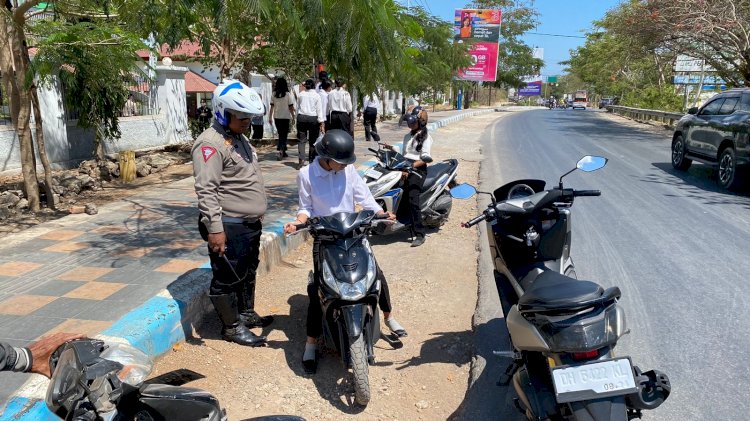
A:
[(715, 31)]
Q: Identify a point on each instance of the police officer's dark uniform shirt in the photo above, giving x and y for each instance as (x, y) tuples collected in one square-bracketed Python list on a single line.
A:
[(14, 359), (228, 180)]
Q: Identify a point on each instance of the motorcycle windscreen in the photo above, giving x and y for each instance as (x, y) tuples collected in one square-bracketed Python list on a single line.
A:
[(343, 223), (65, 389), (501, 193), (349, 263)]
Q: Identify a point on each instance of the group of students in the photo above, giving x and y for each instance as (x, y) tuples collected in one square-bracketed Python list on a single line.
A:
[(319, 107)]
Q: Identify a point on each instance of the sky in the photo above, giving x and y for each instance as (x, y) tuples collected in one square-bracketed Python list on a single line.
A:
[(559, 17)]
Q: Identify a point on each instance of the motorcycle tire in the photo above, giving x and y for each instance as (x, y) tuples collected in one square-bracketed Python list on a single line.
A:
[(360, 370), (441, 209)]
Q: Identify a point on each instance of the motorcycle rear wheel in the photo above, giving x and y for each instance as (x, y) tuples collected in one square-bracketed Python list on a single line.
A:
[(360, 370)]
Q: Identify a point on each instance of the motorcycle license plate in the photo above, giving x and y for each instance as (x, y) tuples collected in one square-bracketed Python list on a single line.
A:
[(373, 173), (593, 380)]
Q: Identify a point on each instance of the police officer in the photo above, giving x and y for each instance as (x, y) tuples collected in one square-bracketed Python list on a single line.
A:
[(232, 201)]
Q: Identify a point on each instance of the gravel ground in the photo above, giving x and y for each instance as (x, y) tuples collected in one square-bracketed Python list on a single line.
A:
[(434, 291)]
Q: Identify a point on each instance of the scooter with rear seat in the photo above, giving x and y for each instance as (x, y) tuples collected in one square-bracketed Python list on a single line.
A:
[(563, 330)]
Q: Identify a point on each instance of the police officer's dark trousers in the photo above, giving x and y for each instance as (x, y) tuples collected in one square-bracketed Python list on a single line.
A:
[(232, 289), (370, 117), (314, 309)]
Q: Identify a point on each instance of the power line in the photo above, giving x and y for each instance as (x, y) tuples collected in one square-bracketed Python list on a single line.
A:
[(555, 35)]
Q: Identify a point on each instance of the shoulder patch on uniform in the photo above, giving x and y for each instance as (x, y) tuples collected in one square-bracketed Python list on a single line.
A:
[(207, 152)]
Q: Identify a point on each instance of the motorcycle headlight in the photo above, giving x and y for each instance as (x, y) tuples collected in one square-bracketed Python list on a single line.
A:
[(351, 291)]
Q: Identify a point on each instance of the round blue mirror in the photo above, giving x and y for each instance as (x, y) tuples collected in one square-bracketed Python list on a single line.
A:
[(463, 191), (591, 163)]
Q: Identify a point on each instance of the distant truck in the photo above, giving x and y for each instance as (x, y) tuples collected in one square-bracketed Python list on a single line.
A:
[(581, 99)]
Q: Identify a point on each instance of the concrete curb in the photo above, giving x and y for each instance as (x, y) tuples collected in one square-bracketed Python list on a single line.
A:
[(168, 318)]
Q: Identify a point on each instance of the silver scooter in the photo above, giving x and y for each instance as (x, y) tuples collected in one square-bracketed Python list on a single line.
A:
[(563, 330)]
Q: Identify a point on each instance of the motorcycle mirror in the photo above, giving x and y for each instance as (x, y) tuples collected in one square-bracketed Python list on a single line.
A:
[(463, 191), (588, 163), (591, 163)]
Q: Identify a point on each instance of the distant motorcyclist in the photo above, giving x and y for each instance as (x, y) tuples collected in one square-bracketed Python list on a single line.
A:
[(552, 102)]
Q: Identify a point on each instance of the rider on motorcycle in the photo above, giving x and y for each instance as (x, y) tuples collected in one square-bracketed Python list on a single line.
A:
[(327, 186), (416, 148), (552, 101)]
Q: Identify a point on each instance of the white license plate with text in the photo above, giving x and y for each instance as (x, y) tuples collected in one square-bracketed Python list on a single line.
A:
[(593, 380)]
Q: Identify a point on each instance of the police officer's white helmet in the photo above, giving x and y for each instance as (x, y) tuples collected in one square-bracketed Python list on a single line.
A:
[(235, 96)]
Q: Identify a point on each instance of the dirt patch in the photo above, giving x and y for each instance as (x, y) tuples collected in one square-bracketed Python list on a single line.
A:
[(434, 291)]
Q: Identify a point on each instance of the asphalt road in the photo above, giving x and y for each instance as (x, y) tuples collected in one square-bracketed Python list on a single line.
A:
[(674, 242)]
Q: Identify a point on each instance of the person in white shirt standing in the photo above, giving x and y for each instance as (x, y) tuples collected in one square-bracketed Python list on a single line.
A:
[(340, 108), (324, 92), (416, 148), (282, 112), (327, 186), (310, 120), (370, 117)]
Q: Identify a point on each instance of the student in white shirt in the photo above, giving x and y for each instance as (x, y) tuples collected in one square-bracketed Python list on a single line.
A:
[(325, 92), (370, 116), (416, 148), (327, 186), (310, 119), (340, 108), (282, 113)]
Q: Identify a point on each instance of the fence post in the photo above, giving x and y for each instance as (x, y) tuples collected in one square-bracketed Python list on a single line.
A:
[(127, 166)]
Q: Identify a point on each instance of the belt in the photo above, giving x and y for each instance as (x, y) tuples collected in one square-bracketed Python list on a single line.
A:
[(234, 220)]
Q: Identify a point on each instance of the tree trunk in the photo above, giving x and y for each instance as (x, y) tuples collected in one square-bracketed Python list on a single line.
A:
[(14, 71), (49, 194)]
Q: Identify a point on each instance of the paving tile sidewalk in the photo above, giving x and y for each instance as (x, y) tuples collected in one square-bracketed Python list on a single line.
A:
[(82, 273)]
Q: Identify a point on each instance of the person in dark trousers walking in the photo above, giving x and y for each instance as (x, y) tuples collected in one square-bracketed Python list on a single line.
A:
[(416, 148), (232, 202), (370, 117), (327, 186), (204, 116), (257, 121), (310, 120), (282, 112), (340, 108)]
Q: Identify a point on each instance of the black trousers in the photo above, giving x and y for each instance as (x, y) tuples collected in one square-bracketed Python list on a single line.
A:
[(369, 117), (243, 252), (282, 127), (413, 189), (308, 130), (257, 131), (315, 311), (341, 120)]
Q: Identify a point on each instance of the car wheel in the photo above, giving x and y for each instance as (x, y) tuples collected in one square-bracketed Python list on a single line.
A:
[(729, 175), (679, 162)]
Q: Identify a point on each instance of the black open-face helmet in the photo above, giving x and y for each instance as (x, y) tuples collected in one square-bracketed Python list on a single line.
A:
[(337, 145), (418, 114)]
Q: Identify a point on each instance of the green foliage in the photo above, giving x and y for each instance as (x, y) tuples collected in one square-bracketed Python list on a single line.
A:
[(95, 61), (613, 64)]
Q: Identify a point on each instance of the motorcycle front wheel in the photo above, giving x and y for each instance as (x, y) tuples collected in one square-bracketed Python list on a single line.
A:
[(360, 370)]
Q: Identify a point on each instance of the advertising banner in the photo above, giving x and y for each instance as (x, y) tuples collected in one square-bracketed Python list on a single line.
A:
[(531, 89), (480, 29)]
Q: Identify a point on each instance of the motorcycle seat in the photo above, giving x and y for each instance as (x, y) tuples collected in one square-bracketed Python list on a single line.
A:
[(435, 171), (551, 291)]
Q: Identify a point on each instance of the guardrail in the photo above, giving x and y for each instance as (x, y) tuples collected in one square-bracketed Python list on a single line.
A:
[(640, 114)]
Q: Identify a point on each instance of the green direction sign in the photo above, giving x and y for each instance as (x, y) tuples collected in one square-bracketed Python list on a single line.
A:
[(551, 79)]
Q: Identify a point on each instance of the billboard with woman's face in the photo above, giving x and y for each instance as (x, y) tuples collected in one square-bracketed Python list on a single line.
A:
[(480, 28)]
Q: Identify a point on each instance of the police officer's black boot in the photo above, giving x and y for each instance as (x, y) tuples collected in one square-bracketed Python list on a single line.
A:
[(233, 330), (246, 305)]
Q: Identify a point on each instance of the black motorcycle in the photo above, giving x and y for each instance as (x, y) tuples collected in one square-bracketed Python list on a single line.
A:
[(86, 387), (349, 291), (563, 330)]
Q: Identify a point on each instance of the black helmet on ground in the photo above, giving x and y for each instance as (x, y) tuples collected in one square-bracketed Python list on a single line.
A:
[(337, 145)]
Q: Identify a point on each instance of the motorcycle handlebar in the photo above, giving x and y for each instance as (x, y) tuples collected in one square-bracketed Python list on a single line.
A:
[(581, 193), (474, 221)]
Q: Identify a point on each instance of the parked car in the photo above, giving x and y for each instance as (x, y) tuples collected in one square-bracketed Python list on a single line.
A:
[(716, 134)]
